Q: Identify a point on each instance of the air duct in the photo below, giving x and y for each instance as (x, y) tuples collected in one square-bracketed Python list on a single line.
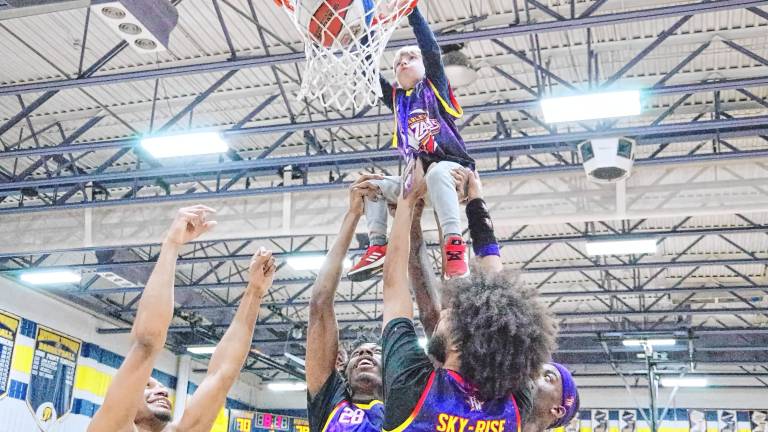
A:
[(145, 24)]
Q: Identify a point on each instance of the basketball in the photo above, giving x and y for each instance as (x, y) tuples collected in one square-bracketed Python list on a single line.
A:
[(336, 21)]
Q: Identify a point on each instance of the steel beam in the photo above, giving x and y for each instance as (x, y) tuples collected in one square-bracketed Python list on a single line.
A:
[(513, 240), (647, 50), (37, 103), (645, 265), (502, 32), (381, 160), (550, 269), (709, 86), (560, 315), (602, 294), (679, 132)]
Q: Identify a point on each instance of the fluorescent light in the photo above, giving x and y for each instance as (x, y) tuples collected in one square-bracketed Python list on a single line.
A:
[(423, 342), (201, 143), (202, 349), (52, 277), (591, 106), (306, 262), (621, 247), (650, 342), (683, 382), (287, 386), (311, 262)]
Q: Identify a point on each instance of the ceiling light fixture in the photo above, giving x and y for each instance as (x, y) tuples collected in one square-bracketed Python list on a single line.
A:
[(591, 106)]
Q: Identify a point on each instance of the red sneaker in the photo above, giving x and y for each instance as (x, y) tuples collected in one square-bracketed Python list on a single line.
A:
[(371, 262), (454, 258)]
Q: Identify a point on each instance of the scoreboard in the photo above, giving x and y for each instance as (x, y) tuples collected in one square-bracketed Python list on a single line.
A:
[(250, 421), (272, 422)]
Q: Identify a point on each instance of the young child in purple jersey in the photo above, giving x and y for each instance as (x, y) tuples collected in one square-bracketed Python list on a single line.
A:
[(425, 113)]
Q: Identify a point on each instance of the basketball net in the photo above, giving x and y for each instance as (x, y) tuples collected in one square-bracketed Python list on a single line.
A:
[(342, 68)]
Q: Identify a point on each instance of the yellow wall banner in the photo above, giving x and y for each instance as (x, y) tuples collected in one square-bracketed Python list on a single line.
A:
[(9, 326), (53, 376)]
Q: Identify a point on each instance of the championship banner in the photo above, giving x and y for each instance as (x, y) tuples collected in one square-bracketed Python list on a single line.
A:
[(726, 421), (9, 325), (697, 420), (627, 420), (758, 421), (240, 421), (53, 376), (574, 425), (600, 421)]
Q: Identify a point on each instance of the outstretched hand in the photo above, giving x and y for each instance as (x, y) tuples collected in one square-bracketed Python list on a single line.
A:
[(363, 188), (468, 184), (393, 10), (261, 271), (189, 224)]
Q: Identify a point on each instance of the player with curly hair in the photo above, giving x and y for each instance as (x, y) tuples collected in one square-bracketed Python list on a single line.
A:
[(491, 339), (553, 398)]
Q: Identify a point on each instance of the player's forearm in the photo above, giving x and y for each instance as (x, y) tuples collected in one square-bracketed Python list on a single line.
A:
[(324, 290), (430, 52), (232, 350), (397, 297), (425, 38), (155, 310), (423, 285), (422, 278)]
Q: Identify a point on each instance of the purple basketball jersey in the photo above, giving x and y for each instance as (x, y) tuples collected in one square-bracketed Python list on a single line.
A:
[(425, 125), (351, 417), (448, 405)]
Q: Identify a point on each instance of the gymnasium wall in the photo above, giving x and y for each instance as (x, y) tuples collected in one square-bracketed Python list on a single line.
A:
[(70, 319), (55, 367), (52, 381), (34, 320)]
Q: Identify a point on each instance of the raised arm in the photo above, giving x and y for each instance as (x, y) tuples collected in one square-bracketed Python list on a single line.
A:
[(481, 230), (322, 331), (422, 277), (397, 295), (430, 51), (150, 328), (232, 350)]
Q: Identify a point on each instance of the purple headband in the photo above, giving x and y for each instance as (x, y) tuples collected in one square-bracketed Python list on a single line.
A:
[(570, 398)]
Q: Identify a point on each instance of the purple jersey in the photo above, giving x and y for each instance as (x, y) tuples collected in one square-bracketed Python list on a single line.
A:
[(447, 405), (352, 417), (425, 125)]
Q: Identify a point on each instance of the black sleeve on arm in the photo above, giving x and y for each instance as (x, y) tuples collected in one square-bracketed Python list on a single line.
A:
[(406, 371), (430, 52), (321, 406), (387, 93)]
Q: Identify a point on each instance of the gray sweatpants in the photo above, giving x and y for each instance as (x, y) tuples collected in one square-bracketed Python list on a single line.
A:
[(441, 190)]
